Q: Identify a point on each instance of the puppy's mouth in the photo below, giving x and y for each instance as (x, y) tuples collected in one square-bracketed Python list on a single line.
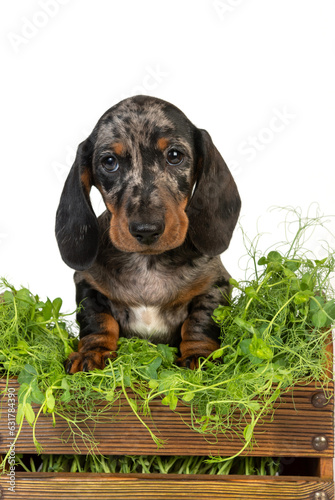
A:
[(150, 240), (156, 247)]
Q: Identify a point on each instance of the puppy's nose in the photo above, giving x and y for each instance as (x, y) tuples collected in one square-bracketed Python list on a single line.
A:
[(146, 233)]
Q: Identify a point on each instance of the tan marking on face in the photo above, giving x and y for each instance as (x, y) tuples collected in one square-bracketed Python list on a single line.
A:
[(118, 148), (176, 225), (163, 143), (119, 230)]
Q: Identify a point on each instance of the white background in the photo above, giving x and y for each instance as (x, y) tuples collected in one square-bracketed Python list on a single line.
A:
[(232, 66)]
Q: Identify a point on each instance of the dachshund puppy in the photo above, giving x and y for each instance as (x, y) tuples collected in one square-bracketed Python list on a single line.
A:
[(150, 265)]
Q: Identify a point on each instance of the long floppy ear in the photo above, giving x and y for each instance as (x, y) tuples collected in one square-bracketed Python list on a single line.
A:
[(77, 229), (214, 208)]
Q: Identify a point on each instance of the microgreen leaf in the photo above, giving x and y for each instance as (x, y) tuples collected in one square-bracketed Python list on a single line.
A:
[(289, 273), (66, 396), (22, 346), (320, 262), (127, 381), (19, 413), (27, 374), (260, 349), (37, 396), (29, 413), (316, 304), (50, 400), (170, 400), (220, 313), (244, 346), (292, 265), (248, 432), (218, 353), (153, 384), (133, 404), (188, 396), (251, 292), (23, 392), (47, 310), (319, 319), (245, 325), (65, 384), (307, 282), (56, 306), (153, 367), (8, 296), (234, 283), (304, 296), (329, 308), (274, 256), (254, 405), (167, 353)]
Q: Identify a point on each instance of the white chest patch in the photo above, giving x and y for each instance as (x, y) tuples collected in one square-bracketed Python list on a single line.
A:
[(146, 321)]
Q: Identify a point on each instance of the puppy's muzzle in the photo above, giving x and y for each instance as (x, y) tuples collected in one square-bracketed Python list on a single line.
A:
[(146, 233)]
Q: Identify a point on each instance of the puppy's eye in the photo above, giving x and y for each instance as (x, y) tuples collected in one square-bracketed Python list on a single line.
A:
[(110, 163), (174, 157)]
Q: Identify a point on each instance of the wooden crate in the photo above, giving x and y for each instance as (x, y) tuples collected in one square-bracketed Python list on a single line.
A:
[(302, 432)]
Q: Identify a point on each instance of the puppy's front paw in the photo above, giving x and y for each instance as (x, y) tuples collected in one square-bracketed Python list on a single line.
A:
[(191, 362), (93, 351), (87, 360), (192, 351)]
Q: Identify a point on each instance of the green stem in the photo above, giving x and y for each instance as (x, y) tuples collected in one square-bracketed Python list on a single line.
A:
[(257, 290), (159, 442), (278, 312), (19, 462)]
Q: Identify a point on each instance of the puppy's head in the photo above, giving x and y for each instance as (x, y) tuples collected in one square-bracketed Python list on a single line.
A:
[(160, 177)]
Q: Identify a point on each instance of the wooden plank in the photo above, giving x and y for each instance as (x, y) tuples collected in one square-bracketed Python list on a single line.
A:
[(120, 432), (326, 469), (69, 486)]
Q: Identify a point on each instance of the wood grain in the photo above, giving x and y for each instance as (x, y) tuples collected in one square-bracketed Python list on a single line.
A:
[(295, 423), (325, 469), (61, 486)]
